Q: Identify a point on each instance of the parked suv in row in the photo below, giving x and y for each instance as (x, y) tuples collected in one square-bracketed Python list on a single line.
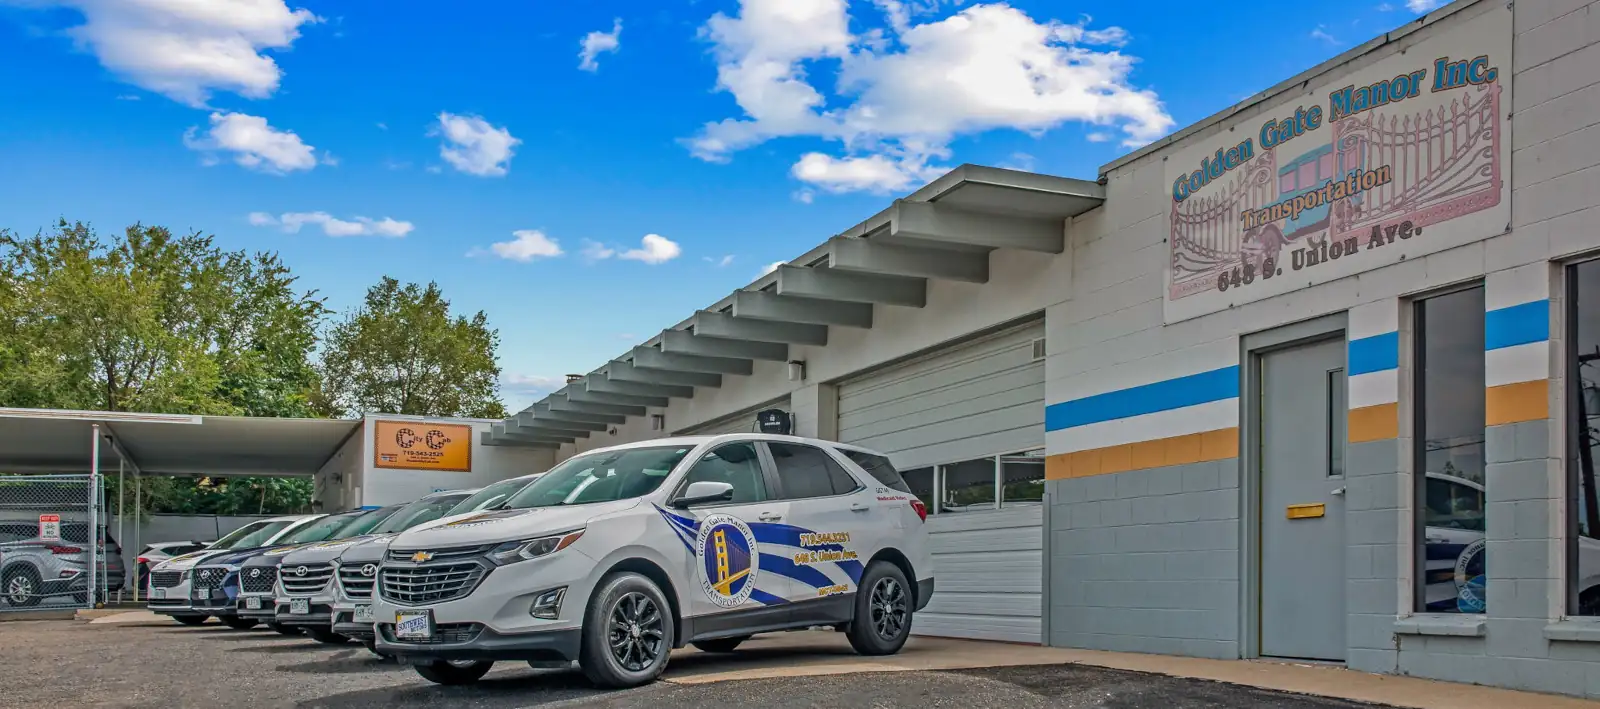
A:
[(33, 570), (171, 580), (617, 556)]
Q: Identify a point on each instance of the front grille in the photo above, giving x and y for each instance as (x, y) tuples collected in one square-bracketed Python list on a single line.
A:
[(305, 579), (356, 580), (443, 634), (433, 583), (258, 579), (209, 577), (436, 554), (165, 579)]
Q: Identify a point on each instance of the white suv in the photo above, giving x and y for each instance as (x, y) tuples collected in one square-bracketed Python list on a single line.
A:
[(615, 557)]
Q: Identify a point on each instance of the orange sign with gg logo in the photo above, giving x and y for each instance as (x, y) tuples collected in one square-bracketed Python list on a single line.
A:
[(420, 445)]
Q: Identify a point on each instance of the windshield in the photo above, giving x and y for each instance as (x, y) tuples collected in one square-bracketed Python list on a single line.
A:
[(258, 537), (427, 509), (319, 530), (491, 496), (364, 522), (227, 541), (601, 477)]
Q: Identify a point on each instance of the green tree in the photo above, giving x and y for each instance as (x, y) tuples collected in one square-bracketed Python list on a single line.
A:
[(403, 352)]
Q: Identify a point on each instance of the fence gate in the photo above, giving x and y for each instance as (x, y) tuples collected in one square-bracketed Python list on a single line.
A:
[(53, 543)]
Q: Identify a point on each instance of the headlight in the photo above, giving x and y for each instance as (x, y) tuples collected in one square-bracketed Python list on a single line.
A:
[(511, 552)]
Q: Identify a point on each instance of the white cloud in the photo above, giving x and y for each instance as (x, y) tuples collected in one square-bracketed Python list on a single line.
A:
[(293, 222), (1020, 161), (596, 43), (1321, 33), (805, 196), (524, 389), (1098, 136), (873, 173), (654, 249), (1386, 7), (187, 49), (1424, 5), (475, 147), (723, 262), (902, 97), (527, 245), (771, 267), (253, 143)]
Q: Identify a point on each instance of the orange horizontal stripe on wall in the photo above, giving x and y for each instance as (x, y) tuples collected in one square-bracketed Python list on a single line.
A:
[(1220, 444), (1515, 403), (1374, 423)]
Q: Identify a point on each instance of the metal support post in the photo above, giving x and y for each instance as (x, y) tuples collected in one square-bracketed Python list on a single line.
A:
[(96, 549)]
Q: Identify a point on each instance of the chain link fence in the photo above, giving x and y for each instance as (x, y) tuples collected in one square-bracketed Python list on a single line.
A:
[(55, 553)]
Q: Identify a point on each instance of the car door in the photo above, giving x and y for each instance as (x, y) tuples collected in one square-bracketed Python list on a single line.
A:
[(831, 522), (728, 565)]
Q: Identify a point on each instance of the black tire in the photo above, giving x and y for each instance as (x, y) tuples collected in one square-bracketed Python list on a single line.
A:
[(21, 587), (441, 672), (238, 623), (884, 604), (721, 644), (326, 636), (645, 643), (191, 619), (281, 629)]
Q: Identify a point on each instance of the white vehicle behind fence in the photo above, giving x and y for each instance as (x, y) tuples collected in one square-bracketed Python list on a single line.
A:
[(617, 556)]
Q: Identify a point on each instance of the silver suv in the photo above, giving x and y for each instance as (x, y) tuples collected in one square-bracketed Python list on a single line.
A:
[(32, 569)]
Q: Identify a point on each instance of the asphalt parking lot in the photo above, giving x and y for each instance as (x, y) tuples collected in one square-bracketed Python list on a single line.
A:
[(62, 663)]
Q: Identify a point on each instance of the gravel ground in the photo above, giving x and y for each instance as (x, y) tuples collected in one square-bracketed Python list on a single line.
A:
[(66, 664)]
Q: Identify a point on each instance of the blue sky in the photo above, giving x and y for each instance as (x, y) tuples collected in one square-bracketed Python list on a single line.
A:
[(590, 173)]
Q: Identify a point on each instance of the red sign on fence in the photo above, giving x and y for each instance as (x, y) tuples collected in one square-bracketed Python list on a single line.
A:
[(49, 528)]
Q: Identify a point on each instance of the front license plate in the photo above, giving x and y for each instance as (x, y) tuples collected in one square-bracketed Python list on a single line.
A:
[(413, 625), (252, 603), (363, 614), (158, 593), (299, 606)]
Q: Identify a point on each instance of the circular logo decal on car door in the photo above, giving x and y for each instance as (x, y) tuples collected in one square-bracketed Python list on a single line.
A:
[(728, 560)]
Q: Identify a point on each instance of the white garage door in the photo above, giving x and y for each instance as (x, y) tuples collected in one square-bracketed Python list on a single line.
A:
[(955, 411), (741, 422)]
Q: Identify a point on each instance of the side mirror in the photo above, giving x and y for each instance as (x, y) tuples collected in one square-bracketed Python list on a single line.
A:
[(700, 493)]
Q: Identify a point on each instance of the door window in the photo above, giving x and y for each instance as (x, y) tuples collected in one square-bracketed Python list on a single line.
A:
[(806, 471), (735, 464)]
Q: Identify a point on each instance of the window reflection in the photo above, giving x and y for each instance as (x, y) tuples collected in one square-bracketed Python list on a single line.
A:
[(1023, 479), (1584, 363), (968, 486)]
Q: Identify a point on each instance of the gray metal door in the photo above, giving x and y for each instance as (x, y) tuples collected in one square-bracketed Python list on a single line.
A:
[(1302, 505)]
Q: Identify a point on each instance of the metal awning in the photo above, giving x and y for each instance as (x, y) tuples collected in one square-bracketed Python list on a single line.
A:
[(59, 441), (944, 231)]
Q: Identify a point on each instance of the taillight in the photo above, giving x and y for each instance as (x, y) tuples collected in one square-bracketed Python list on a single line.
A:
[(65, 550), (922, 510), (142, 560)]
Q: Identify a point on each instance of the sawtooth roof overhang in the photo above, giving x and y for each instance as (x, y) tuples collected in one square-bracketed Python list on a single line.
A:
[(943, 231)]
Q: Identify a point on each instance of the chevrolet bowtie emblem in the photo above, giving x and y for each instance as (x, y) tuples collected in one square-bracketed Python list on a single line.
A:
[(421, 556)]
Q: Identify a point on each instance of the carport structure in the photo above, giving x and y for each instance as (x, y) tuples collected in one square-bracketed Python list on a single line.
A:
[(944, 231), (97, 443)]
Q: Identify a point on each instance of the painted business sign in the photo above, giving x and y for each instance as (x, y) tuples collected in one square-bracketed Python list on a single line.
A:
[(1402, 157), (421, 445)]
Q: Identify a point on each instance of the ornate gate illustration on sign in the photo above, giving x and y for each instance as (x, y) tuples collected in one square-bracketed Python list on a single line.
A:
[(1445, 162)]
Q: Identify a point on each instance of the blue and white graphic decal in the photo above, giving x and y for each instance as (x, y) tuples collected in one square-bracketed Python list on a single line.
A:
[(729, 562), (823, 561)]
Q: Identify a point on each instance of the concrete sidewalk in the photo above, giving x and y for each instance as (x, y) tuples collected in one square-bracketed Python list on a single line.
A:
[(826, 653)]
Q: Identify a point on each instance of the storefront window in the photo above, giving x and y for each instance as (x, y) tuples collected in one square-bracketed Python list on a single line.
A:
[(1583, 364), (1023, 479), (1449, 377), (968, 486)]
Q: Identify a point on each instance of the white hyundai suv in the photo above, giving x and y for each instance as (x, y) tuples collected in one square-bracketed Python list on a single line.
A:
[(617, 556)]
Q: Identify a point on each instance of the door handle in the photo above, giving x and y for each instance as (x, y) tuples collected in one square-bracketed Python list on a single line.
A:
[(1338, 491), (859, 507), (770, 517)]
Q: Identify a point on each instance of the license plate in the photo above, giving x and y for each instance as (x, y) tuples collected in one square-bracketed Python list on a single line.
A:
[(252, 603), (413, 626), (158, 593), (363, 614), (299, 606)]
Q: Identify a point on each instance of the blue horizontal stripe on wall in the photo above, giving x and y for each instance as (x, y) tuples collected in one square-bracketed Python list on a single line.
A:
[(1378, 353), (1202, 388), (1516, 325)]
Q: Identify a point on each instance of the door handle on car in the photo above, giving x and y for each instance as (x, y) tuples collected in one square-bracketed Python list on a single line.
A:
[(859, 507), (770, 517)]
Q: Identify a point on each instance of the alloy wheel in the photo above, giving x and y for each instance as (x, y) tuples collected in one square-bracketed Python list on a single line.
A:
[(20, 589), (889, 608), (635, 632)]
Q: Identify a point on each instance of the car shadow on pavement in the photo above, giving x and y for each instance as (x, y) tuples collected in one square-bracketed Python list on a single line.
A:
[(354, 661), (283, 648), (527, 688)]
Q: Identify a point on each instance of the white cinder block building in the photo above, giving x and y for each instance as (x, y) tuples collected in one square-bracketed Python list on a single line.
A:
[(1313, 378)]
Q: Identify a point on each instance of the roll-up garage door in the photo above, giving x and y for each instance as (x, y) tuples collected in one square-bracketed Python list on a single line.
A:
[(741, 422), (947, 410)]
